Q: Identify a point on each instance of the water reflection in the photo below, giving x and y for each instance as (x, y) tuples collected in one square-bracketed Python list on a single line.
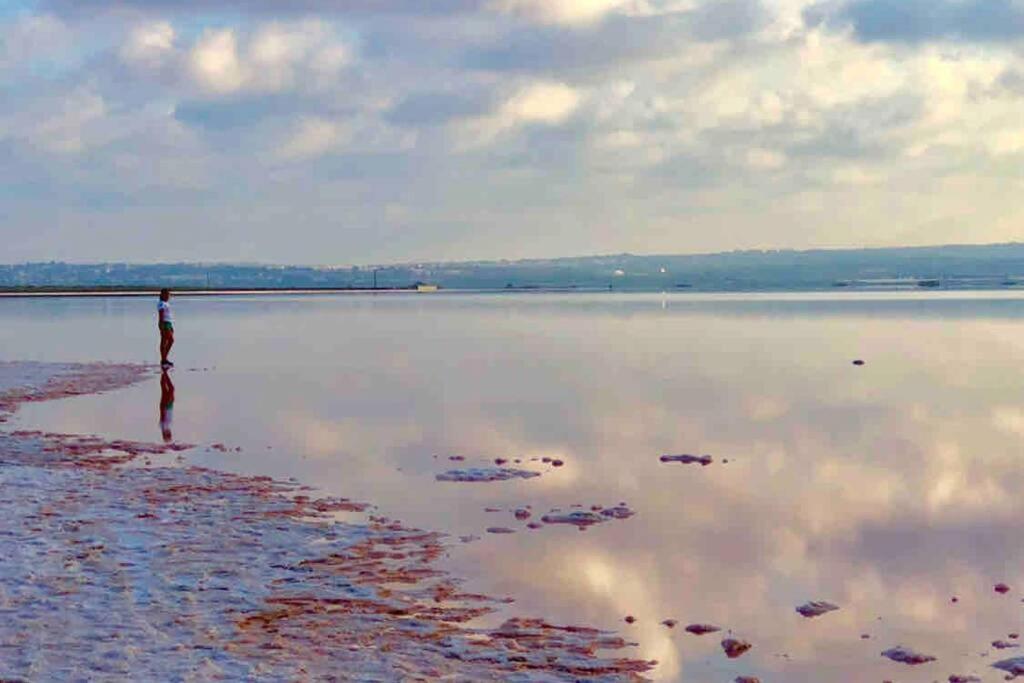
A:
[(166, 406), (887, 489)]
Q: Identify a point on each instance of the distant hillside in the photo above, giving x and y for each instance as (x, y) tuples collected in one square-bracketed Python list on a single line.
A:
[(957, 266)]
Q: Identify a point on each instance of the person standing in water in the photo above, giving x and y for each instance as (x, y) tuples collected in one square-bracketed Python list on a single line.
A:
[(166, 325)]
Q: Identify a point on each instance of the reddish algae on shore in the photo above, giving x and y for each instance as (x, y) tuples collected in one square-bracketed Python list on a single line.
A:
[(163, 572)]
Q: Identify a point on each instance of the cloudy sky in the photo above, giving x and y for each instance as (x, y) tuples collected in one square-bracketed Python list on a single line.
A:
[(359, 131)]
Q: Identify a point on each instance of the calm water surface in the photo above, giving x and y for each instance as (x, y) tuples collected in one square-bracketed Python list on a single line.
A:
[(886, 489)]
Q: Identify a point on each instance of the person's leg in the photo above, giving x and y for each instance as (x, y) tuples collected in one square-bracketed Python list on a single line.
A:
[(165, 347), (170, 343)]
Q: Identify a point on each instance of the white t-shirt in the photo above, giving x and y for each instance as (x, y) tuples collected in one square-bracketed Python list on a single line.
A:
[(165, 307)]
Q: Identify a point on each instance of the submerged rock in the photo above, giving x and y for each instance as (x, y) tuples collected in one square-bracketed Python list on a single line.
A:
[(1001, 588), (816, 608), (575, 518), (703, 460), (702, 629), (485, 474), (964, 679), (500, 530), (617, 512), (905, 655), (1013, 666), (1004, 644), (734, 647)]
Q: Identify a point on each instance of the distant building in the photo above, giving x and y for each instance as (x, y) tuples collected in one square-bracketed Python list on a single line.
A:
[(424, 287)]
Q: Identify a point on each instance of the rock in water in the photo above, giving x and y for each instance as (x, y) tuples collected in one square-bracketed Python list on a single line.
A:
[(576, 518), (816, 608), (905, 655), (1013, 666), (486, 474), (703, 460), (734, 647)]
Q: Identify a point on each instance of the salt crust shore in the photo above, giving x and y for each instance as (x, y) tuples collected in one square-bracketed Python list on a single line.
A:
[(115, 569)]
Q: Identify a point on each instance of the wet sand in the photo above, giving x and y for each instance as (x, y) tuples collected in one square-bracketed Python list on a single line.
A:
[(122, 562)]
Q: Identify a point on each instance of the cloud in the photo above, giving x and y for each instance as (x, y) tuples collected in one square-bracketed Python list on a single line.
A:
[(673, 125), (620, 39), (313, 137), (149, 45), (923, 20), (434, 108), (33, 38), (540, 103), (559, 11), (414, 8), (276, 57), (73, 126), (214, 62)]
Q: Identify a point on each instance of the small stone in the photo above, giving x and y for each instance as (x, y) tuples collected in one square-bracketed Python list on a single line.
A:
[(816, 608), (703, 460), (734, 647), (905, 655)]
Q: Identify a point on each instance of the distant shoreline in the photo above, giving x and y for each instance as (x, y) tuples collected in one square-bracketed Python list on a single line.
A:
[(889, 286), (33, 292)]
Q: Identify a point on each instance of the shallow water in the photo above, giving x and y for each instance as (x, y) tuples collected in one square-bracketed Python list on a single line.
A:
[(886, 489)]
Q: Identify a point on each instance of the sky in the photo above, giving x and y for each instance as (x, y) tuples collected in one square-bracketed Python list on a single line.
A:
[(371, 131)]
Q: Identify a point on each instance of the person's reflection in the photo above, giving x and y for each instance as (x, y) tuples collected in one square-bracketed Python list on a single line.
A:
[(166, 405)]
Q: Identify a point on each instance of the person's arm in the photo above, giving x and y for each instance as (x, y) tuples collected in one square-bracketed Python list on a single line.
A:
[(161, 311)]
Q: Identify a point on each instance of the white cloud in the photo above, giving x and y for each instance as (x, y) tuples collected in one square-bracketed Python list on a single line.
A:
[(66, 130), (538, 103), (214, 62), (277, 57), (713, 139), (30, 38), (149, 45), (560, 11), (313, 137), (765, 159), (278, 52), (549, 103)]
